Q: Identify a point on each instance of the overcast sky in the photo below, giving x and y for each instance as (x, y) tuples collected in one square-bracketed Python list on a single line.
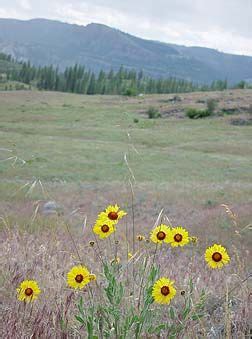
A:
[(225, 25)]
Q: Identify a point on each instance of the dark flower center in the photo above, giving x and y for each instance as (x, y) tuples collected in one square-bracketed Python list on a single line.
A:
[(161, 235), (216, 257), (165, 290), (178, 237), (113, 215), (28, 291), (79, 278), (105, 228)]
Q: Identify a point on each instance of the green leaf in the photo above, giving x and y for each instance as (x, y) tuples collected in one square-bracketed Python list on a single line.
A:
[(157, 329), (172, 313), (191, 285), (80, 306), (186, 311), (90, 329), (80, 319), (197, 316)]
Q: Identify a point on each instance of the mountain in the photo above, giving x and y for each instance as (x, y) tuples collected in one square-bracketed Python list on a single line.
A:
[(98, 47)]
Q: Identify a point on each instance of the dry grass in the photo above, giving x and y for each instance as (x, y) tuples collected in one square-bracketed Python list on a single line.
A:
[(48, 253)]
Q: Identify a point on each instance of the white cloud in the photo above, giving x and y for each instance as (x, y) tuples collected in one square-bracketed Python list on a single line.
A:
[(86, 13), (25, 4), (10, 13)]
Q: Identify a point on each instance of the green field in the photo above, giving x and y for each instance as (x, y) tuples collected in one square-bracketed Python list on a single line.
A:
[(76, 146)]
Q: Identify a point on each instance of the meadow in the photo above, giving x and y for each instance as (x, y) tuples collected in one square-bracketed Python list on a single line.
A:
[(87, 152)]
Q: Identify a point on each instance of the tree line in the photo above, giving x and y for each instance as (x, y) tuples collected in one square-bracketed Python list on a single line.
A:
[(78, 79)]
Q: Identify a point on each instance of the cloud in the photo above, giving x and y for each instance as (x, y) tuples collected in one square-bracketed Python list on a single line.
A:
[(225, 25), (25, 4)]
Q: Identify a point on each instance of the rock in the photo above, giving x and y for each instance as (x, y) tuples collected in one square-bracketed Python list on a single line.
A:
[(51, 207)]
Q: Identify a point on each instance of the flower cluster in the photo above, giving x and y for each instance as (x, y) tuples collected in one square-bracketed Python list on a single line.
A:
[(162, 290), (106, 222), (177, 236)]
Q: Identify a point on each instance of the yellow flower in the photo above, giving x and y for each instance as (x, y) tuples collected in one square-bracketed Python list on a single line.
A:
[(130, 255), (160, 234), (112, 213), (104, 228), (178, 236), (216, 256), (163, 291), (78, 277), (28, 290)]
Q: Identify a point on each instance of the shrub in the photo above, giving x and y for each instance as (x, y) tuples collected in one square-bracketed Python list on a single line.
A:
[(194, 113), (130, 92), (136, 120), (211, 105), (153, 113)]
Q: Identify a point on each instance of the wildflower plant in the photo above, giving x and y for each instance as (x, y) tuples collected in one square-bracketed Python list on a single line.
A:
[(79, 276), (163, 291), (134, 294), (160, 234), (178, 236), (216, 256), (113, 213), (104, 228), (28, 291)]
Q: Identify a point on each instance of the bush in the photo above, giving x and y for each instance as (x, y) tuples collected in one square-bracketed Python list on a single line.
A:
[(130, 92), (153, 113), (194, 113), (136, 120), (211, 105)]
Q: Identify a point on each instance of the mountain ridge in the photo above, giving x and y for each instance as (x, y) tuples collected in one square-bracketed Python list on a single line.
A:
[(97, 46)]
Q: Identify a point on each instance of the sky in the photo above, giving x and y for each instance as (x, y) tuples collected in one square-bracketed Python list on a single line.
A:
[(225, 25)]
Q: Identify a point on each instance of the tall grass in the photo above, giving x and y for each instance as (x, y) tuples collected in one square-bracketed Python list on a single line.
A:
[(119, 304)]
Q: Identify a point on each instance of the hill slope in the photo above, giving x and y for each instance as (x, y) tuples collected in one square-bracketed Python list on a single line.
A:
[(101, 47)]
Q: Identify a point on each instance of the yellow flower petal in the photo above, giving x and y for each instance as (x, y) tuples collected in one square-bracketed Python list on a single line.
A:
[(160, 234), (112, 213), (104, 228), (216, 256), (28, 291), (78, 277), (163, 291), (178, 236)]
